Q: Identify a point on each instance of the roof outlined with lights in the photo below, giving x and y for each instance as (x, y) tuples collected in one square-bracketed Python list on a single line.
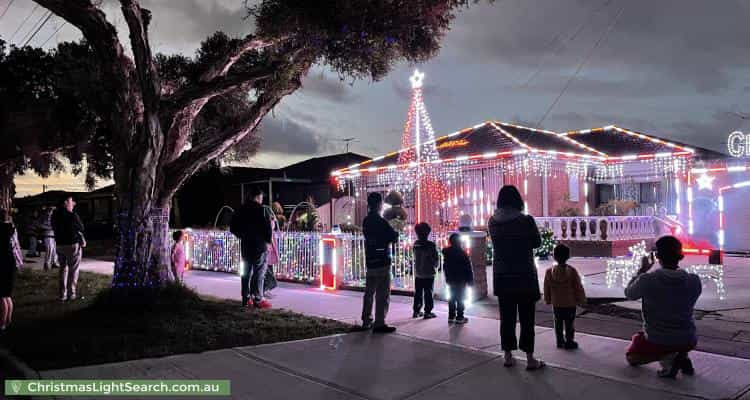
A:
[(496, 140)]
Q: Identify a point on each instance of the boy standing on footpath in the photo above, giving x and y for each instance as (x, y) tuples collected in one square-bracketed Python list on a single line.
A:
[(425, 264), (564, 290), (458, 275)]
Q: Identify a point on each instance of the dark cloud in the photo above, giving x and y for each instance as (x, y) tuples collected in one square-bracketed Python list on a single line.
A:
[(284, 135), (687, 42), (333, 89)]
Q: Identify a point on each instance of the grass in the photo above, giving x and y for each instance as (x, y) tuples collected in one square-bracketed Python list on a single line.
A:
[(48, 334)]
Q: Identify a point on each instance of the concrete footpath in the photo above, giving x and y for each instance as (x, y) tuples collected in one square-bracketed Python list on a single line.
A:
[(425, 359)]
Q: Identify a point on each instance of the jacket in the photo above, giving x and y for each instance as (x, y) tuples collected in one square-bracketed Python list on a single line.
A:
[(457, 267), (45, 225), (425, 259), (668, 299), (67, 227), (253, 228), (514, 237), (379, 235), (563, 287)]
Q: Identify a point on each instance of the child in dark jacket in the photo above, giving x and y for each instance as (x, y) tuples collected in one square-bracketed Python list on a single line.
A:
[(458, 275), (564, 290), (425, 264)]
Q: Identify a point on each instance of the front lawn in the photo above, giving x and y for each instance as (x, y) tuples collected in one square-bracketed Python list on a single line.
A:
[(49, 334)]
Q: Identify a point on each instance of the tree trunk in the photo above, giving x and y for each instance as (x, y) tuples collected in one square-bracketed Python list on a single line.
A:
[(143, 257), (7, 187)]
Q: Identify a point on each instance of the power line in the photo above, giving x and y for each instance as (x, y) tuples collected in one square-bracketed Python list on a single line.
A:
[(34, 26), (38, 29), (55, 33), (580, 66), (7, 8), (559, 44), (23, 23)]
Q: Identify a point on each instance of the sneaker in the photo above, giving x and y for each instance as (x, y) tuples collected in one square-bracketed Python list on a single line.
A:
[(263, 304), (366, 326), (72, 297), (462, 320), (45, 268), (430, 315), (268, 295), (670, 366), (63, 299), (560, 344), (451, 320), (417, 314), (686, 365), (384, 329), (571, 345)]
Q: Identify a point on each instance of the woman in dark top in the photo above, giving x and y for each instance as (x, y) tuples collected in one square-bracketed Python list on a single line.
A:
[(10, 254), (516, 284)]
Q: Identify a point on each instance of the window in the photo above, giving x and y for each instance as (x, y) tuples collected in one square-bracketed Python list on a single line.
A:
[(650, 192), (573, 188)]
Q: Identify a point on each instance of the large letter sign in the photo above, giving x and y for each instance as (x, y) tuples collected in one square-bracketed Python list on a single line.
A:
[(738, 144)]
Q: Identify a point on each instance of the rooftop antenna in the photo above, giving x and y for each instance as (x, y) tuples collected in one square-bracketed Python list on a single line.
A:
[(347, 141)]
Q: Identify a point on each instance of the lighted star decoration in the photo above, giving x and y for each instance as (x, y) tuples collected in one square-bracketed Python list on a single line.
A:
[(705, 182), (417, 79)]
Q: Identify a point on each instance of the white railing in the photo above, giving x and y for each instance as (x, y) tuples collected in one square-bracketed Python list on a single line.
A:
[(607, 228), (402, 256)]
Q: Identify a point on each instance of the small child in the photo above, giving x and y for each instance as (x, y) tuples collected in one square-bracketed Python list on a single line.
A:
[(564, 290), (458, 275), (178, 256), (425, 264)]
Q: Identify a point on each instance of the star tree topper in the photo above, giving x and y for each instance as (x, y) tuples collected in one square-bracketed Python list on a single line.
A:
[(705, 182), (416, 79)]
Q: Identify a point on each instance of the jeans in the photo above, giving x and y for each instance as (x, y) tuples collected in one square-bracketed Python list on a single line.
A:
[(32, 247), (564, 317), (378, 286), (423, 294), (456, 301), (70, 259), (253, 271), (512, 308), (50, 256)]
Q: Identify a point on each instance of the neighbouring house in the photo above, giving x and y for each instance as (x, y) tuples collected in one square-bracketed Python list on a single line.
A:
[(208, 197)]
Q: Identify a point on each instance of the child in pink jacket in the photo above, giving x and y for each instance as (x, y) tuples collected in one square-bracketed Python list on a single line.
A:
[(178, 256)]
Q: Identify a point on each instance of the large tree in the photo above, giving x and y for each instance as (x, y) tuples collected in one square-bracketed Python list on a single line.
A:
[(150, 118)]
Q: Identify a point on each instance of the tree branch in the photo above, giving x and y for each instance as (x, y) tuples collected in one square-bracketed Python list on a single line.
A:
[(222, 66), (191, 160), (138, 19), (181, 108)]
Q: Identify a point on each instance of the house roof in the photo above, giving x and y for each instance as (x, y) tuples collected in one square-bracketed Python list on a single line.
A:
[(496, 139)]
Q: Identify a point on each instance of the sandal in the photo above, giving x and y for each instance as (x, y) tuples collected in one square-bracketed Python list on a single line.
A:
[(539, 365)]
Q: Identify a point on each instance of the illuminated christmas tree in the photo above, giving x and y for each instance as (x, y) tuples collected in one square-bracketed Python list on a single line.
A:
[(418, 174)]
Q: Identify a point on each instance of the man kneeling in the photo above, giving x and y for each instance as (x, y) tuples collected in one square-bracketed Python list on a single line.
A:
[(669, 295)]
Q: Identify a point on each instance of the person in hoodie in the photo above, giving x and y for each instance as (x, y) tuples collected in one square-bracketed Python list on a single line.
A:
[(379, 237), (425, 264), (564, 290), (668, 298), (458, 275), (516, 284)]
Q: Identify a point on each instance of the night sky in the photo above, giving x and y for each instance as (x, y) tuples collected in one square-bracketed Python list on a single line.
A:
[(676, 69)]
